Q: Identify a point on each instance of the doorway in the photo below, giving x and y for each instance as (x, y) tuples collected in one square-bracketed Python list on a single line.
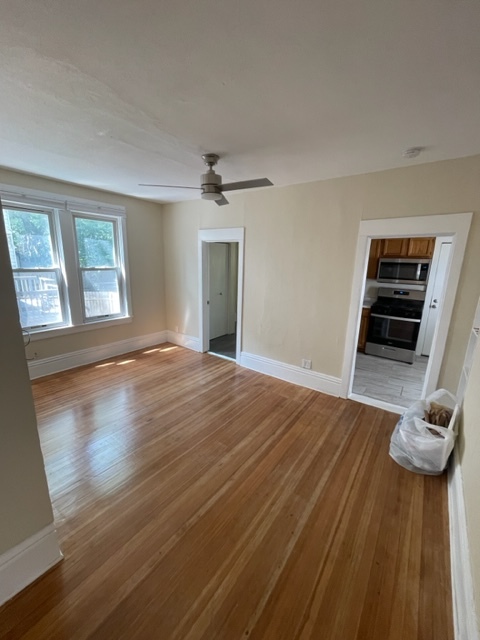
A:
[(221, 291), (222, 298), (399, 320), (455, 227)]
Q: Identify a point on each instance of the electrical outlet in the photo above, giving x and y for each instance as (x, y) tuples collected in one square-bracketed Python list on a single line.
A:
[(306, 364)]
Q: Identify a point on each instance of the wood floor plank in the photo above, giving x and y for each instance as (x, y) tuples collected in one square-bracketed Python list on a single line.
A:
[(197, 500)]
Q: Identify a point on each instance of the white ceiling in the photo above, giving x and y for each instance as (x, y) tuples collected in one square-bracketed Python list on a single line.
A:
[(111, 93)]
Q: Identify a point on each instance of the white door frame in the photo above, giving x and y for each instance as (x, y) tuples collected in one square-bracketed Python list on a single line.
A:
[(218, 235), (456, 225)]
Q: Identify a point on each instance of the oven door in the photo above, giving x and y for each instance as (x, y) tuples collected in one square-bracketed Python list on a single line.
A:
[(393, 331)]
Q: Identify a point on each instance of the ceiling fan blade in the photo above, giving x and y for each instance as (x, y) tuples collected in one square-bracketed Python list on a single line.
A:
[(222, 201), (168, 186), (246, 184)]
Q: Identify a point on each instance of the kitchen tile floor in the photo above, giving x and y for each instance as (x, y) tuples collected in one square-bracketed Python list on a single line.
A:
[(388, 380)]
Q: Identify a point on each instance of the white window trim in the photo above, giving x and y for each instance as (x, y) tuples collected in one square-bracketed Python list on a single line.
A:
[(64, 210), (118, 268), (58, 270)]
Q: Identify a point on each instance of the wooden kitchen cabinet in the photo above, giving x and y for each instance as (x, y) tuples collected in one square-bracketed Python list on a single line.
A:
[(420, 247), (373, 258), (394, 248), (362, 335)]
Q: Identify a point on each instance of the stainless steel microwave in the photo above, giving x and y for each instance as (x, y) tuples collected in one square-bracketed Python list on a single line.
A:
[(403, 270)]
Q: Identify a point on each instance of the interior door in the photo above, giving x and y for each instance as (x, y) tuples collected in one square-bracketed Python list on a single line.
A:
[(218, 257), (434, 299)]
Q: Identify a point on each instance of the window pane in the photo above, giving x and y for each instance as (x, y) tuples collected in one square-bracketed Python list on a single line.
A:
[(95, 241), (29, 240), (38, 298), (101, 294)]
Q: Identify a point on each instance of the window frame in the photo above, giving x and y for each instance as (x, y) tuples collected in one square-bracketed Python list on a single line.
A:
[(118, 268), (64, 245), (57, 258)]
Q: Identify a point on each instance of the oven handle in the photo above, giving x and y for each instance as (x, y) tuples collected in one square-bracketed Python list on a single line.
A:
[(378, 315)]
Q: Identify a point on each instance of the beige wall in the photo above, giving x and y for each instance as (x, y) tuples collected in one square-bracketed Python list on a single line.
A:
[(24, 500), (470, 457), (145, 254), (300, 246)]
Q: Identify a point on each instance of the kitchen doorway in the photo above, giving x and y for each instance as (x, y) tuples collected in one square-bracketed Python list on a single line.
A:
[(221, 291), (453, 227), (399, 319)]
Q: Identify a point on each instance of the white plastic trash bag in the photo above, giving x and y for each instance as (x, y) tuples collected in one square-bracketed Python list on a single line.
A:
[(420, 446)]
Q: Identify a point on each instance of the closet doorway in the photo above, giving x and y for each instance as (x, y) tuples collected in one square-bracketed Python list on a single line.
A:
[(222, 298), (221, 291)]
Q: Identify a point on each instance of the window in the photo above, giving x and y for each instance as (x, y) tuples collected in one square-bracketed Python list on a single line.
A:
[(100, 267), (68, 264), (36, 268)]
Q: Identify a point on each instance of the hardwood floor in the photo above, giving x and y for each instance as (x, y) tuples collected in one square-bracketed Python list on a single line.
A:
[(195, 499)]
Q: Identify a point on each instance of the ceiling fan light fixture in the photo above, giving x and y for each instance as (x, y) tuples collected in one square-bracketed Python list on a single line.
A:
[(211, 195)]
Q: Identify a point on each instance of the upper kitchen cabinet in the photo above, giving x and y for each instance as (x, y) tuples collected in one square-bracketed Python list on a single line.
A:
[(394, 248), (407, 248), (420, 247)]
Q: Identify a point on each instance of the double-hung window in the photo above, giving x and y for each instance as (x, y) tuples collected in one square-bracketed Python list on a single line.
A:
[(68, 262), (100, 266), (39, 283)]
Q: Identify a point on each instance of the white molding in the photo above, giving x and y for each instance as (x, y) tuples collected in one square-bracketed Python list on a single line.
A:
[(291, 373), (27, 561), (182, 340), (47, 366), (464, 614), (456, 225), (227, 234)]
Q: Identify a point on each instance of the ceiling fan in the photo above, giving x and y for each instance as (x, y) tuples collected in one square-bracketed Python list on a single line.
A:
[(211, 183)]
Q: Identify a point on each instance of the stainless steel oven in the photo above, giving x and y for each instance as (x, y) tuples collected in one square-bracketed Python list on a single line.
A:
[(394, 324)]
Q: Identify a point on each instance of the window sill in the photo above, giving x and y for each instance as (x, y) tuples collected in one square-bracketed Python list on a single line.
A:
[(90, 326)]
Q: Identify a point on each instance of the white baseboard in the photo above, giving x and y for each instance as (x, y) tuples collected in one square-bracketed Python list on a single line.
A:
[(46, 366), (28, 561), (291, 373), (183, 340), (464, 614)]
